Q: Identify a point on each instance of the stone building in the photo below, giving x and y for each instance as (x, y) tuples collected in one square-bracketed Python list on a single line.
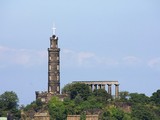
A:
[(102, 85), (53, 72), (53, 66)]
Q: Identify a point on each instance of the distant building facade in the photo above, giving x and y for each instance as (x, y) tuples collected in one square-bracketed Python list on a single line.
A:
[(102, 85)]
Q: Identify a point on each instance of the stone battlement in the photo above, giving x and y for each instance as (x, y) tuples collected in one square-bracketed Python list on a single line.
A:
[(41, 92)]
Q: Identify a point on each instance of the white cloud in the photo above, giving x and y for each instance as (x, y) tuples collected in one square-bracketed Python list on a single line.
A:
[(109, 61), (90, 59), (85, 59), (22, 57), (131, 60), (73, 58), (67, 51), (2, 49), (154, 63)]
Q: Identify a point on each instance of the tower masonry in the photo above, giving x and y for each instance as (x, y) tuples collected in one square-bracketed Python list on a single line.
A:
[(53, 72), (54, 66)]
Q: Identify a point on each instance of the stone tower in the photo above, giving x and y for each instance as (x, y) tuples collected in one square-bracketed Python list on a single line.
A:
[(53, 66), (53, 72)]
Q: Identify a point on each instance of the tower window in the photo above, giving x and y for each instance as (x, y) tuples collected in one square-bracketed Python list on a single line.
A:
[(57, 67), (57, 78), (57, 88), (50, 67), (49, 88), (43, 99)]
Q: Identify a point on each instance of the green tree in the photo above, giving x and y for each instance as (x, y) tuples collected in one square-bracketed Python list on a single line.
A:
[(34, 106), (78, 100), (9, 104), (69, 106), (142, 112), (112, 113), (75, 89), (101, 95), (83, 116), (124, 95), (156, 97), (57, 109), (94, 103), (138, 98), (66, 89)]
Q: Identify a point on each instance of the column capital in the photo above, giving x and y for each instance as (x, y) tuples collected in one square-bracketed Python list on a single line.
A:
[(116, 84), (109, 84)]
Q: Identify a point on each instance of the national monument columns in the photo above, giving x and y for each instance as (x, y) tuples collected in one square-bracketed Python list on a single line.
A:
[(101, 85)]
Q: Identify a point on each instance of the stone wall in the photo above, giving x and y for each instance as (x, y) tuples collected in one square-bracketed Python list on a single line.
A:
[(35, 116), (42, 116), (77, 117)]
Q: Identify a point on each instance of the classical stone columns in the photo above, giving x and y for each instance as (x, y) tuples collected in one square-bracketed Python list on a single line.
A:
[(99, 86), (109, 89), (96, 86), (90, 86), (116, 90), (103, 86), (93, 85)]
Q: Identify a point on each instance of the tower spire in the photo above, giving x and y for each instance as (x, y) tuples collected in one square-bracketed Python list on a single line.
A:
[(53, 29)]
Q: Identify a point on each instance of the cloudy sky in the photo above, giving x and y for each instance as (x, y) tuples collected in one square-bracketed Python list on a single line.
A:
[(99, 40)]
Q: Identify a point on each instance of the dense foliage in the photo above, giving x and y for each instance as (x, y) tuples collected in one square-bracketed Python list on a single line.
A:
[(81, 101), (9, 105), (34, 106)]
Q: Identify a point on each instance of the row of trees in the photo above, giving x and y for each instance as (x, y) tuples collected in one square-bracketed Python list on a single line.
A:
[(81, 101)]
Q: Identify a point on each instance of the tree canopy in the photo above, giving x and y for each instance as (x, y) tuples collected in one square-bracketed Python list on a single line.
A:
[(75, 89), (156, 97), (82, 100), (9, 104)]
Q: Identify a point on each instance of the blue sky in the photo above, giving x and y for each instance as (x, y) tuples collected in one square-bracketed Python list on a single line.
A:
[(99, 40)]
